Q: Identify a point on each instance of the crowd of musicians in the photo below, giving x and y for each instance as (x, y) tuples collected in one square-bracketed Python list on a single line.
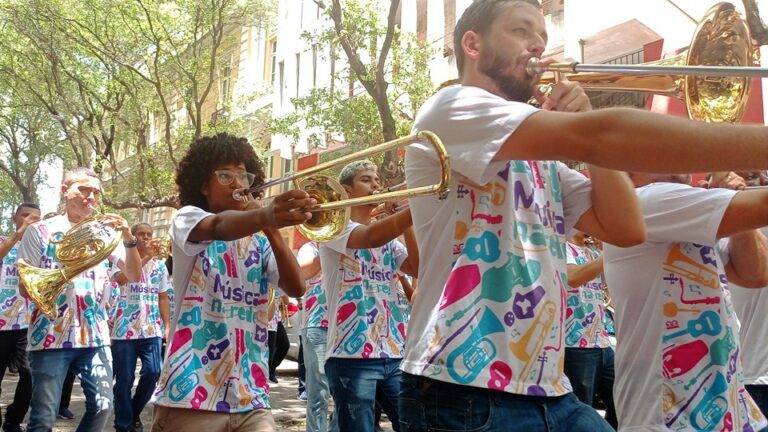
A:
[(528, 294)]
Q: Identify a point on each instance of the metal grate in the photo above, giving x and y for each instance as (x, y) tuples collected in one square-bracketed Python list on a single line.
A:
[(615, 99)]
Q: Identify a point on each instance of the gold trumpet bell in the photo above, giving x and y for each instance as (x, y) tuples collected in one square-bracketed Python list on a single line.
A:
[(324, 225)]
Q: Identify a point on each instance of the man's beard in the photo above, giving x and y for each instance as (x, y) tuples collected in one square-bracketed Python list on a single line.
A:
[(514, 89)]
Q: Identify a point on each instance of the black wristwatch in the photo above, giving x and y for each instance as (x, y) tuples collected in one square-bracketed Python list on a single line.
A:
[(132, 244)]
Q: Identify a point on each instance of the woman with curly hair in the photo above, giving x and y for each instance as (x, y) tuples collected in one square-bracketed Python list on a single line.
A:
[(215, 374)]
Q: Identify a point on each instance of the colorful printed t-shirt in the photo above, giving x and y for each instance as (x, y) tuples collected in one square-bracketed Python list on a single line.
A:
[(217, 356), (585, 306), (81, 319), (137, 315), (489, 310), (677, 359), (315, 300), (13, 307), (365, 317)]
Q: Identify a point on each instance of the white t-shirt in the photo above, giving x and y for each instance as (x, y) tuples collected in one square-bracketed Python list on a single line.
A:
[(13, 307), (365, 319), (81, 319), (585, 306), (677, 365), (489, 309), (315, 299), (137, 313), (751, 306), (217, 353)]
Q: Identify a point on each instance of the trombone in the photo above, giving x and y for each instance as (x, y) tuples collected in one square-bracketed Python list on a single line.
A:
[(331, 214), (712, 77)]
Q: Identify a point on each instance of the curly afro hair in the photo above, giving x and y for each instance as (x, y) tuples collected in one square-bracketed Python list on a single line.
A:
[(207, 153)]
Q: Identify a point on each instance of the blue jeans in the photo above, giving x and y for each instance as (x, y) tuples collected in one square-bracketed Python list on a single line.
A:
[(430, 405), (354, 383), (313, 342), (124, 355), (49, 367), (591, 371)]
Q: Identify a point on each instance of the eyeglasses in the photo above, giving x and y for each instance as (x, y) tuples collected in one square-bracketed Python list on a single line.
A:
[(226, 177)]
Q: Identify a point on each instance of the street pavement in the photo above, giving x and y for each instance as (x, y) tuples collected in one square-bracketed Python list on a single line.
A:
[(287, 409)]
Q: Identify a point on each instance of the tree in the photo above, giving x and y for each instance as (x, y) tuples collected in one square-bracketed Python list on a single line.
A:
[(110, 73), (389, 64)]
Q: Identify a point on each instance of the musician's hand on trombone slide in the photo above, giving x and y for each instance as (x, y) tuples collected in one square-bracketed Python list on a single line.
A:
[(564, 95), (289, 209)]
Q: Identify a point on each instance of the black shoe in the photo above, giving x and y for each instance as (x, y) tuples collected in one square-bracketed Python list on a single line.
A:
[(119, 429), (138, 426), (12, 428), (66, 414)]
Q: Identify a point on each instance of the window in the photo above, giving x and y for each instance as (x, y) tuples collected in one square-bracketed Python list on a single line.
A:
[(225, 78), (314, 65), (282, 80), (287, 167), (271, 60), (298, 72)]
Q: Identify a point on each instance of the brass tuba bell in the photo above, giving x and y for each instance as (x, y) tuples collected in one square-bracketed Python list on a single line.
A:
[(83, 246)]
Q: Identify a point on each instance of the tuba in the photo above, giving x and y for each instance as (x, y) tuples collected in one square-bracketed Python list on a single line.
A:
[(82, 247)]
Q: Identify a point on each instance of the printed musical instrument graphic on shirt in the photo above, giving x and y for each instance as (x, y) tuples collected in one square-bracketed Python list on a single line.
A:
[(708, 323), (671, 309), (477, 351), (536, 333), (82, 247), (719, 355), (332, 212), (679, 263), (680, 359), (712, 407)]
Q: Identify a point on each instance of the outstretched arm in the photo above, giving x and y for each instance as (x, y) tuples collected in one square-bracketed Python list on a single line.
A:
[(629, 139), (381, 232)]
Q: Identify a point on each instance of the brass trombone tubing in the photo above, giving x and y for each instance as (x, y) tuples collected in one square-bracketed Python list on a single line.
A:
[(535, 68), (441, 189)]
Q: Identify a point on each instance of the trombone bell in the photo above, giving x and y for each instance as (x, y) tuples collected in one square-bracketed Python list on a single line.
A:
[(328, 224), (712, 77)]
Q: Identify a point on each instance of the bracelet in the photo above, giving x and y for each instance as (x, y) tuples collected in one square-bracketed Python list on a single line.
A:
[(131, 245)]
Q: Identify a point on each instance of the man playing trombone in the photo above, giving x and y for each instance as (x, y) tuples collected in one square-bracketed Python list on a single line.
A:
[(485, 345), (77, 336), (366, 326)]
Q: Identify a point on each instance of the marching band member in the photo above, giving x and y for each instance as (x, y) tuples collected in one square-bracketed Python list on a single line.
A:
[(485, 346), (366, 329), (140, 320), (77, 339), (677, 359), (14, 319), (225, 254)]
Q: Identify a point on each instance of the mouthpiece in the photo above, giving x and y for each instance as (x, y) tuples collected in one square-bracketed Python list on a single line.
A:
[(240, 195)]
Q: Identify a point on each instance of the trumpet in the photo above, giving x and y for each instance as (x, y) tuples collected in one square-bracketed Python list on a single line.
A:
[(331, 214)]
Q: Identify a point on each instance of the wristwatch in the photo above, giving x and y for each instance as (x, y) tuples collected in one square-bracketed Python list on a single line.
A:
[(130, 245)]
